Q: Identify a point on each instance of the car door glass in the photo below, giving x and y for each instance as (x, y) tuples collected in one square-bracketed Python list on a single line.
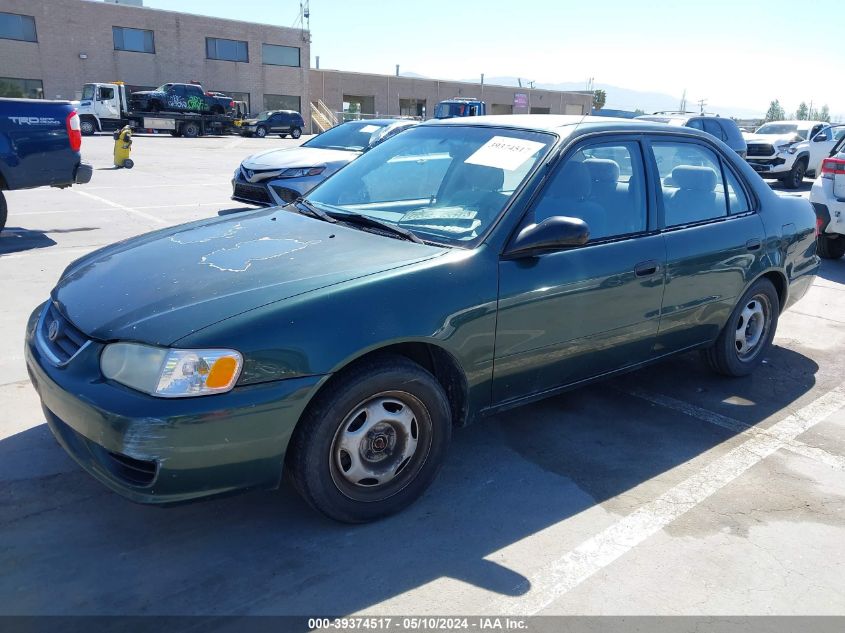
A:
[(737, 200), (691, 181), (602, 184)]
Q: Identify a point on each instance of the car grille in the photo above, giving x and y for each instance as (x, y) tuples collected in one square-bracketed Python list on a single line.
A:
[(288, 195), (257, 194), (760, 149), (58, 337)]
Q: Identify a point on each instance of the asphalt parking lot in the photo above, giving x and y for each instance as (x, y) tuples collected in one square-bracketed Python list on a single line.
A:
[(664, 492)]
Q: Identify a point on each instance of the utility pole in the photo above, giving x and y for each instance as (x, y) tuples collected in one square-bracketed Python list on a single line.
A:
[(683, 105), (701, 103)]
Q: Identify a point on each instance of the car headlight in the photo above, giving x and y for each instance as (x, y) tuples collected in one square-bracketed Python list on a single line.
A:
[(300, 172), (171, 373), (787, 148)]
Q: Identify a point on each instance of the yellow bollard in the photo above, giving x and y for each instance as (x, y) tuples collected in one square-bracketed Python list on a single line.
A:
[(122, 148)]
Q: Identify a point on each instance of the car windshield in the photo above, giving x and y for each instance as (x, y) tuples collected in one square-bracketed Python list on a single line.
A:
[(163, 88), (445, 183), (447, 110), (88, 91), (353, 136), (264, 115), (783, 128)]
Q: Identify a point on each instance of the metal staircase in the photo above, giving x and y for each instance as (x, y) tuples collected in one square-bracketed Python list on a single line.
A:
[(321, 116)]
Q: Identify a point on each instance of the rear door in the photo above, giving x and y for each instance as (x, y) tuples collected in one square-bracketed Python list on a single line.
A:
[(714, 240), (574, 314)]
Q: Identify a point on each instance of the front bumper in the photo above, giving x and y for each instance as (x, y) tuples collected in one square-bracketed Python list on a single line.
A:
[(155, 450), (769, 166), (272, 192)]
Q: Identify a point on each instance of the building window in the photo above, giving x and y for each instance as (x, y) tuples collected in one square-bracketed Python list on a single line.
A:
[(226, 50), (412, 107), (282, 102), (280, 55), (21, 88), (137, 40), (17, 27)]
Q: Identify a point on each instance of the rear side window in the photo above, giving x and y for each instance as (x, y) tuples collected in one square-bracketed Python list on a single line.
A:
[(737, 200), (712, 127), (691, 181), (696, 124)]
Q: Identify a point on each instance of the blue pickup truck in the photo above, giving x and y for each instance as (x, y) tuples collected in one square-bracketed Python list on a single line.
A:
[(39, 147)]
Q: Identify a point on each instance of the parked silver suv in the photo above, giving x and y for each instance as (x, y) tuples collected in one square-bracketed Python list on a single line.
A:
[(724, 129)]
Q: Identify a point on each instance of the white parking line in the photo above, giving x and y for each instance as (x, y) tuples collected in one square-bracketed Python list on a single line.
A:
[(812, 452), (570, 570), (159, 206), (122, 207)]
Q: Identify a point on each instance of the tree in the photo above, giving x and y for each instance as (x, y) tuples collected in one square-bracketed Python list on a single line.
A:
[(803, 112), (775, 111), (824, 114), (639, 111), (599, 99)]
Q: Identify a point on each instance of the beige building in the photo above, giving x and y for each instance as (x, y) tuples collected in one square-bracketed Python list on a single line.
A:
[(50, 48), (390, 95)]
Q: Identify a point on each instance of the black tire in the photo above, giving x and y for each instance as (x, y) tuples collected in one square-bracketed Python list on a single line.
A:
[(831, 246), (4, 211), (795, 178), (296, 132), (217, 110), (190, 129), (725, 356), (319, 465), (88, 127), (261, 132), (128, 163), (155, 106)]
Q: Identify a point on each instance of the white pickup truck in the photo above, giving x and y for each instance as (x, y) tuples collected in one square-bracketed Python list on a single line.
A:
[(789, 150)]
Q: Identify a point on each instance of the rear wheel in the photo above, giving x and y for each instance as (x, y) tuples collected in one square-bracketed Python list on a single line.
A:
[(261, 132), (748, 333), (831, 246), (191, 129), (87, 127), (296, 132), (3, 211), (372, 442), (128, 163), (795, 177)]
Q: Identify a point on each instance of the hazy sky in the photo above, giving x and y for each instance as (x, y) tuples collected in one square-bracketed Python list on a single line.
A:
[(742, 52)]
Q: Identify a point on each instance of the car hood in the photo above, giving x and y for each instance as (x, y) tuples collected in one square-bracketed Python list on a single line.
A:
[(160, 287), (772, 139), (297, 157)]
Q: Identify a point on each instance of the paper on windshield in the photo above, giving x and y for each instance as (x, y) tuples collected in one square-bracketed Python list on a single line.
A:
[(368, 129), (504, 152)]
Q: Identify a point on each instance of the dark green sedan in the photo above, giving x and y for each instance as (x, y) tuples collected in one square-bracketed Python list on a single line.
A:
[(457, 270)]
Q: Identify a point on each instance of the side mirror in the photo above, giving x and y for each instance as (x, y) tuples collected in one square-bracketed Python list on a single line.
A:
[(819, 138), (554, 233)]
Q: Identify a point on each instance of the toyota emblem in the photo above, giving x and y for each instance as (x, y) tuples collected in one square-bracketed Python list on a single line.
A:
[(53, 331), (250, 174)]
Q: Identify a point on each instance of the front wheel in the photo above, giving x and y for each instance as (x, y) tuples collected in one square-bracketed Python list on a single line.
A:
[(372, 442), (261, 132), (748, 333), (87, 127), (296, 132), (128, 163), (795, 178), (191, 130), (831, 246)]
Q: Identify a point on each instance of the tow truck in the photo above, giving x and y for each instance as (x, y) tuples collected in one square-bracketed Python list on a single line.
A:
[(105, 107)]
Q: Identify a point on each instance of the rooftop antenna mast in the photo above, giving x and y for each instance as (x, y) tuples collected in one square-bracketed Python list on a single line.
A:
[(304, 20)]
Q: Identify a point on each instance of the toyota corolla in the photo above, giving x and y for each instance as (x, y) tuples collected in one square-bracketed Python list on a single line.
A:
[(459, 269)]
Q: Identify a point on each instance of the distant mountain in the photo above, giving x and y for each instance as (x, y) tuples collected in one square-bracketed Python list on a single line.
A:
[(413, 75), (626, 99)]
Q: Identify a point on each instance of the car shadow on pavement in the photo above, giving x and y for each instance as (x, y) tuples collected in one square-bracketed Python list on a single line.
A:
[(17, 239), (234, 210), (71, 546), (781, 188)]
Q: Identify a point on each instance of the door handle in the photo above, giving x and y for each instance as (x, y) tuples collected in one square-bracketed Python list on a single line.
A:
[(753, 245), (646, 269)]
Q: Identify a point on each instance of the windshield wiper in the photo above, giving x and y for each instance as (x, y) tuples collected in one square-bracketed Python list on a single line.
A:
[(365, 220), (304, 206)]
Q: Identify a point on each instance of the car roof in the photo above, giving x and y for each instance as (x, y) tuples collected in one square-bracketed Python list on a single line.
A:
[(799, 122), (557, 123)]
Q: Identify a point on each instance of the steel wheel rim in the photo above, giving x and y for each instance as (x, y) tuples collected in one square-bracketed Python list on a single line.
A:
[(752, 327), (380, 446)]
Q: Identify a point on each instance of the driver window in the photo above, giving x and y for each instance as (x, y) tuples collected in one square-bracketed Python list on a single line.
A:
[(105, 94), (602, 184)]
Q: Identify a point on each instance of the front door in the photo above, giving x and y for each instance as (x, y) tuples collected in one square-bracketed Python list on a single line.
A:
[(714, 242), (578, 313)]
